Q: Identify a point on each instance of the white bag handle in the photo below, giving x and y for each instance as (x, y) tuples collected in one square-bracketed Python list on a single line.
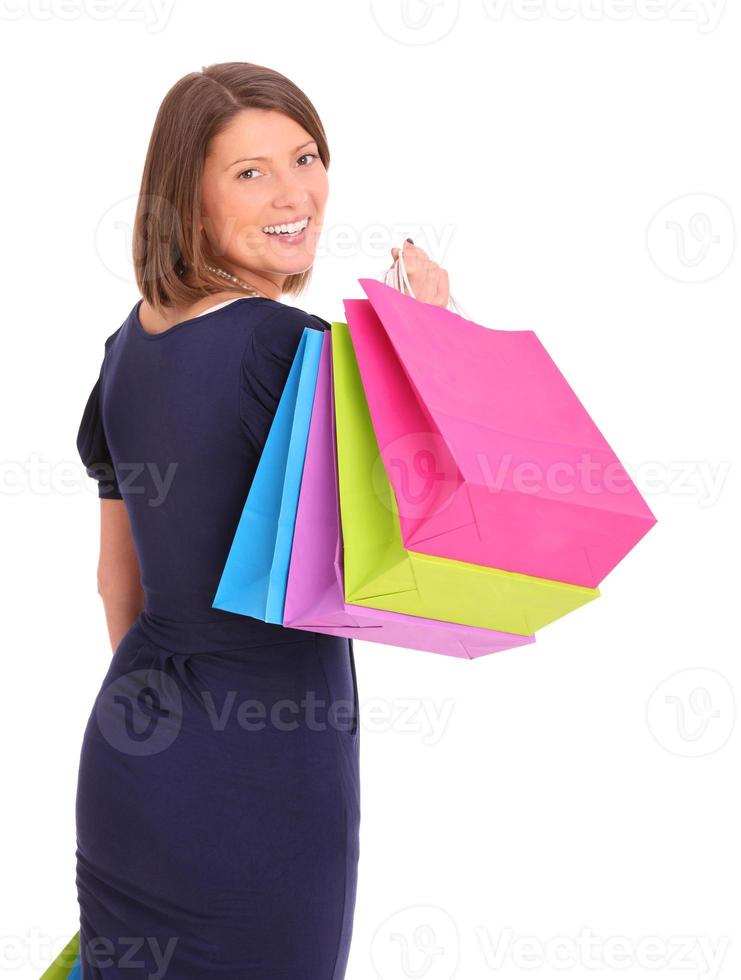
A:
[(397, 277)]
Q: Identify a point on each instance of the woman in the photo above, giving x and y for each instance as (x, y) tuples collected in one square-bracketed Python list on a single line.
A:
[(218, 795)]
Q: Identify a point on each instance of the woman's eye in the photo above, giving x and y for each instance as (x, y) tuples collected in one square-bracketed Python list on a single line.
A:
[(255, 169)]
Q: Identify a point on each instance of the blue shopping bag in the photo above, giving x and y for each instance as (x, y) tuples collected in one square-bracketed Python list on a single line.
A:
[(253, 580)]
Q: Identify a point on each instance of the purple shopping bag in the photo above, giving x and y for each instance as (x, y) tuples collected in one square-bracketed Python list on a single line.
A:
[(315, 593)]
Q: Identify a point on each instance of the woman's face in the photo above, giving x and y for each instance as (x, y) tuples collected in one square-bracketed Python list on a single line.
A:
[(262, 171)]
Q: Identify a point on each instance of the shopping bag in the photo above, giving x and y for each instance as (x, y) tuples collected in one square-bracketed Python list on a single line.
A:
[(253, 580), (315, 593), (67, 965), (379, 571), (491, 456)]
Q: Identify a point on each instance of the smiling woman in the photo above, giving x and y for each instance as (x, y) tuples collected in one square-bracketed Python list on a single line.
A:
[(220, 846), (256, 159), (264, 219)]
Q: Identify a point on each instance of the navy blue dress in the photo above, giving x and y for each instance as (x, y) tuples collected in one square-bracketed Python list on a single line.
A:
[(218, 799)]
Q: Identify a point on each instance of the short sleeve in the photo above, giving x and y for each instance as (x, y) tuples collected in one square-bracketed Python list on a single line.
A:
[(266, 364), (93, 447)]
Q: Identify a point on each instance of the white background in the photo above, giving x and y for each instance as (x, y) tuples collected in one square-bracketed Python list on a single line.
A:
[(575, 166)]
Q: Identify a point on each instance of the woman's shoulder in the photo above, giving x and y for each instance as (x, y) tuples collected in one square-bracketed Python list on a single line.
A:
[(109, 340), (280, 312), (279, 331)]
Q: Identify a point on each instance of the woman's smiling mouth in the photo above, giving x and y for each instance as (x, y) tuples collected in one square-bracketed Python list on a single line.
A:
[(289, 233)]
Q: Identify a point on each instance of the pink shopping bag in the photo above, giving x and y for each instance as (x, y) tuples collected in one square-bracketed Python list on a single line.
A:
[(315, 593), (492, 458)]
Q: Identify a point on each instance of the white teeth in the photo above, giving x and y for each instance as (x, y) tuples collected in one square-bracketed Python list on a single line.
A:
[(291, 229)]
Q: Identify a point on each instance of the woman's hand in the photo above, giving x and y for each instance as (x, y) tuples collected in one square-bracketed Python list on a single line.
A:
[(428, 280)]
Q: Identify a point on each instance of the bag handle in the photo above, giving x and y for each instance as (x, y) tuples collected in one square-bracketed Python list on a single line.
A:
[(397, 277)]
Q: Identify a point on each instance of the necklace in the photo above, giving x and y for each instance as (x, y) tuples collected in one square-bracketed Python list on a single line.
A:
[(235, 279)]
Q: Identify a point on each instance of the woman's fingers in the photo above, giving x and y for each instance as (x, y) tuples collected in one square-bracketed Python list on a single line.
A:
[(443, 289), (428, 280)]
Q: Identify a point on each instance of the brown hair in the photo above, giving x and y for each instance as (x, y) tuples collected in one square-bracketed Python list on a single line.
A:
[(169, 256)]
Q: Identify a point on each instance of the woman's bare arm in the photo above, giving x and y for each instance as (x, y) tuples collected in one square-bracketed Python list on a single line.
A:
[(119, 582)]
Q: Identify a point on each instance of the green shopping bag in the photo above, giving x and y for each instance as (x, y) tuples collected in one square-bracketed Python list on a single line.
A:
[(67, 965), (382, 574)]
